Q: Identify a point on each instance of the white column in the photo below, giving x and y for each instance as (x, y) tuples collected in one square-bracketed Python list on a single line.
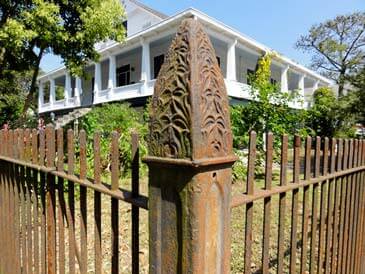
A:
[(40, 95), (78, 90), (231, 61), (112, 81), (301, 91), (145, 63), (315, 86), (301, 84), (97, 83), (68, 87), (284, 83), (52, 91)]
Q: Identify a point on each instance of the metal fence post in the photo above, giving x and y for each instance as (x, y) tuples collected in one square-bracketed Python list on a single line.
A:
[(190, 160)]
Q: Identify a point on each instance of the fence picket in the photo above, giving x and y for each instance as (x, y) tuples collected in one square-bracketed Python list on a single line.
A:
[(83, 205), (135, 209), (249, 206), (61, 207), (305, 216), (295, 205), (70, 210), (332, 220), (267, 204), (337, 204), (114, 202), (97, 205), (282, 203), (314, 219)]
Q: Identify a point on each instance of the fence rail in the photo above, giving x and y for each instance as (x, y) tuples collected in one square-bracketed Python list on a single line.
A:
[(325, 232), (38, 209), (53, 220)]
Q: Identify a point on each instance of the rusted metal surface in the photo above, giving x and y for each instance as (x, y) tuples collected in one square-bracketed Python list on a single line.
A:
[(330, 212), (135, 209), (191, 156), (97, 206), (305, 215), (314, 219), (282, 203), (35, 214), (190, 159), (83, 205), (249, 206), (267, 204), (51, 203), (295, 205)]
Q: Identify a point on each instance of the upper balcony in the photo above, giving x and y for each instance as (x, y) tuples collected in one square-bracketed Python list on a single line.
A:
[(129, 71)]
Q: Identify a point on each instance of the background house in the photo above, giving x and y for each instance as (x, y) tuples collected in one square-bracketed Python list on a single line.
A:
[(128, 71)]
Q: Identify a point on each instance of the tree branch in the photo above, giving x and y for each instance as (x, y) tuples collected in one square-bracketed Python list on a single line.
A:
[(334, 63)]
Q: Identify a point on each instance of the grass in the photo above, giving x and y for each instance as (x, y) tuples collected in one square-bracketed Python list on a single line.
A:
[(237, 231)]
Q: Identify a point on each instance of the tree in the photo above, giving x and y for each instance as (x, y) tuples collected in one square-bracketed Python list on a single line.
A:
[(337, 45), (269, 109), (115, 117), (32, 28), (13, 95), (329, 116), (357, 80)]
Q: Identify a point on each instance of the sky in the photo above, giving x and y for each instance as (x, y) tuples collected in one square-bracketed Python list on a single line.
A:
[(274, 23)]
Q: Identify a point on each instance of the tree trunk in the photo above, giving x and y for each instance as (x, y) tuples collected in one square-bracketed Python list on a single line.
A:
[(341, 83), (32, 89)]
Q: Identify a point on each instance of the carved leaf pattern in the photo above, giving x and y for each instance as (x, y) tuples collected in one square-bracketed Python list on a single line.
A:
[(215, 123), (171, 109), (175, 108)]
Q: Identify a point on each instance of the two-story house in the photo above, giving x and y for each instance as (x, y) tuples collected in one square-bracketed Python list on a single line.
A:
[(127, 71)]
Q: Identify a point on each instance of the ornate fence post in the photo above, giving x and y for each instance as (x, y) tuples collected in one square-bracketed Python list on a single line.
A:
[(190, 160)]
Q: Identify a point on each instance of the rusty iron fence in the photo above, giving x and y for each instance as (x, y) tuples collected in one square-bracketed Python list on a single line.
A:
[(325, 230), (310, 220), (38, 232)]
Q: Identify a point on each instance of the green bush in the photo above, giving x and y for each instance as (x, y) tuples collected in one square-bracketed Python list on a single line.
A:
[(330, 116), (118, 117)]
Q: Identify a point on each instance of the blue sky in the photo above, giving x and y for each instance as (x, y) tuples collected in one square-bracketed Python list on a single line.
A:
[(275, 23)]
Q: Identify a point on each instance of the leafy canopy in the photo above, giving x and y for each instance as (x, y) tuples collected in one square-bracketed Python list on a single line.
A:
[(329, 116), (70, 29), (118, 117), (337, 46), (269, 109)]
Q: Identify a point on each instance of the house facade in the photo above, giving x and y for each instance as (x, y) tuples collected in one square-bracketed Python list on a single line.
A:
[(127, 71)]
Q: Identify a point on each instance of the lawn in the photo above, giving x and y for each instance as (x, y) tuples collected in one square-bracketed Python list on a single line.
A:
[(237, 231)]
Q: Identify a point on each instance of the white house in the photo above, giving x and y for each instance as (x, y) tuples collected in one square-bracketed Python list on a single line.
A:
[(128, 71)]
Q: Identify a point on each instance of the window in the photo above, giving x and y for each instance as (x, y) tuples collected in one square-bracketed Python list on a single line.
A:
[(124, 75), (157, 64), (125, 25), (219, 61), (273, 81), (250, 74)]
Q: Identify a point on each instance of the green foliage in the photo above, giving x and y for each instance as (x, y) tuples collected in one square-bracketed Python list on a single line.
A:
[(329, 116), (358, 93), (12, 96), (118, 117), (337, 46), (69, 29), (267, 111)]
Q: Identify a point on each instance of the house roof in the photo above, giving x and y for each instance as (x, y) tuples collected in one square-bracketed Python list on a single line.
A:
[(212, 23), (149, 9)]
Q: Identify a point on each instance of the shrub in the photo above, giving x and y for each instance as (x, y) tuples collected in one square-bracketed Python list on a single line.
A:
[(118, 117)]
